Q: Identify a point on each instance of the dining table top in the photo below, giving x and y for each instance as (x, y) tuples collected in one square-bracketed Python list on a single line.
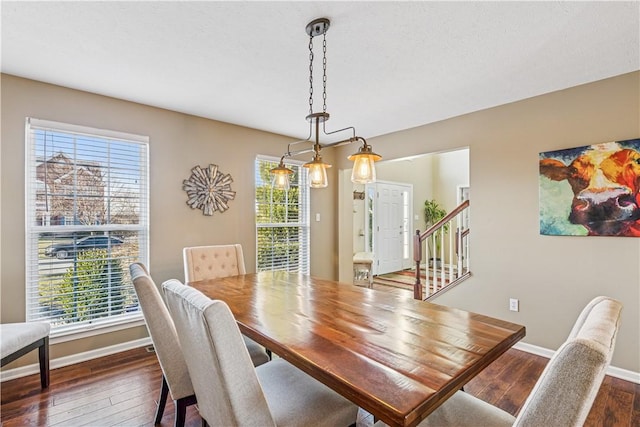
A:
[(396, 357)]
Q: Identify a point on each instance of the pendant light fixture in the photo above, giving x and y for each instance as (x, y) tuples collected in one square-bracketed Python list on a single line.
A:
[(363, 168), (281, 176), (317, 169)]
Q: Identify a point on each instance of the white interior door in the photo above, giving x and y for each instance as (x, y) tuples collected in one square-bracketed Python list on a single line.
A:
[(392, 225)]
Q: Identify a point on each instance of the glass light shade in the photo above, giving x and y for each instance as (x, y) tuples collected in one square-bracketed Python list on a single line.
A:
[(280, 177), (318, 176), (317, 172), (280, 180), (364, 170)]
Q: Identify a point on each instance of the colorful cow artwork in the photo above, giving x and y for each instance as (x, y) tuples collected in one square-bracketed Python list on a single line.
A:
[(592, 190)]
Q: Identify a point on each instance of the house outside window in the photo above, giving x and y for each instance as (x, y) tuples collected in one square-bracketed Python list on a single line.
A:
[(86, 221), (282, 219)]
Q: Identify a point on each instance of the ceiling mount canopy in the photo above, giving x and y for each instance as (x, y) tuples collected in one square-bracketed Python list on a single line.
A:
[(317, 27), (363, 169)]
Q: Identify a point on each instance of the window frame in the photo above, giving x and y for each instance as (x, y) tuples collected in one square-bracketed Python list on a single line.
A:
[(34, 232), (304, 208)]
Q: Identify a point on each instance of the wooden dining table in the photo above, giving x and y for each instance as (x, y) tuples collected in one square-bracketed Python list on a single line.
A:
[(395, 357)]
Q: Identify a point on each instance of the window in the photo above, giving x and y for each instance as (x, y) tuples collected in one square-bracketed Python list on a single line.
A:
[(282, 219), (86, 221)]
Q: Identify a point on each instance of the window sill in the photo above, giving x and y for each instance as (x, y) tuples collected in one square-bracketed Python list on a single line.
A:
[(65, 335)]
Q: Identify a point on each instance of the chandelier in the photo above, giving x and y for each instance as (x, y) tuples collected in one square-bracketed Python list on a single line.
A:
[(363, 169)]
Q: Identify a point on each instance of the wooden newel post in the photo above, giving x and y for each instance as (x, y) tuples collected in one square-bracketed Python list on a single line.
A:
[(417, 257)]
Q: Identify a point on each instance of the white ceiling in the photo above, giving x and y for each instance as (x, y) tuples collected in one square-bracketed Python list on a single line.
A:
[(391, 65)]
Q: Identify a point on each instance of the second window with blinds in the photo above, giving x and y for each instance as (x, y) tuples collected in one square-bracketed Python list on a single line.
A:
[(282, 219)]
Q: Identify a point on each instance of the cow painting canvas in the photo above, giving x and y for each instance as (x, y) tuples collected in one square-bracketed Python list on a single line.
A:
[(591, 190)]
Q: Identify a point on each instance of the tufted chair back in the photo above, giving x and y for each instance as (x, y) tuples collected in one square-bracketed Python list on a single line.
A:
[(211, 262)]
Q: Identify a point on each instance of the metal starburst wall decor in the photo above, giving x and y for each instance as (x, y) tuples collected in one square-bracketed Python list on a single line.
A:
[(208, 189)]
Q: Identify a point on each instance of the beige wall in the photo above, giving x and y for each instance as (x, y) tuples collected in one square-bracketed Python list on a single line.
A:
[(451, 170), (554, 277), (177, 143)]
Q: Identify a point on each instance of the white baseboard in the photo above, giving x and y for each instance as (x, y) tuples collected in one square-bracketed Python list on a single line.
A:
[(23, 371), (623, 374)]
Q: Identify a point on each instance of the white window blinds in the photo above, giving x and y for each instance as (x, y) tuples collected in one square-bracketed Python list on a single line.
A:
[(86, 221), (282, 219)]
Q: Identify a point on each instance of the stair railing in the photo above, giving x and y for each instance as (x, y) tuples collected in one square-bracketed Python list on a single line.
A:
[(447, 259)]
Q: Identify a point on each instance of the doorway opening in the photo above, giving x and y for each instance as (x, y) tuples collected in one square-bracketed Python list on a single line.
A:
[(406, 184)]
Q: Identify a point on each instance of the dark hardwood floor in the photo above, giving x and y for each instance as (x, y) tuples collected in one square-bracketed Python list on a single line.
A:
[(121, 390)]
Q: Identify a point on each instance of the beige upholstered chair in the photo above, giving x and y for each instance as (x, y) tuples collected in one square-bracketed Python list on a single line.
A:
[(175, 376), (212, 262), (18, 339), (231, 392), (565, 391), (569, 384)]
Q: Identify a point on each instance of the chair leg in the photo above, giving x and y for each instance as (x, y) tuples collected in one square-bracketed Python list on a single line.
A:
[(181, 412), (162, 400), (43, 356), (181, 409)]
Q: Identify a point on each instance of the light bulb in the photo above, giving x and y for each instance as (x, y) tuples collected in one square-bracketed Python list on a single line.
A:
[(317, 175), (364, 171), (281, 181)]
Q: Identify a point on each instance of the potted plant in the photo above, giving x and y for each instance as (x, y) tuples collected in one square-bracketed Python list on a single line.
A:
[(433, 213)]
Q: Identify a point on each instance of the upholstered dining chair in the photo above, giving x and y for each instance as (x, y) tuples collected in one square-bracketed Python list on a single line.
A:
[(175, 376), (230, 390), (212, 262), (566, 389), (18, 339)]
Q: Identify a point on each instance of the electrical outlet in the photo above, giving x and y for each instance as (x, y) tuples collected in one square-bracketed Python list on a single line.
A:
[(514, 304)]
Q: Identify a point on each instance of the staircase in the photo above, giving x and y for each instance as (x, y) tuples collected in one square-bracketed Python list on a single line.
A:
[(443, 251)]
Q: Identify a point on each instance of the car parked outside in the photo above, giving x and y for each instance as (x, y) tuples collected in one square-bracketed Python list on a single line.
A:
[(68, 250)]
